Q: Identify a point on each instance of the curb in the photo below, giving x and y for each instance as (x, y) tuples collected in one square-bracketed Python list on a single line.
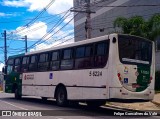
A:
[(129, 109), (156, 103), (119, 107)]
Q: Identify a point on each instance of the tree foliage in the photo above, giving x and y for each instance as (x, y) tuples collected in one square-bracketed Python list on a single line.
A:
[(137, 25)]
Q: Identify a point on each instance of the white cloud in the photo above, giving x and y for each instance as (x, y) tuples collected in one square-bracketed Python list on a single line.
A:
[(1, 66), (60, 6), (52, 39), (2, 14), (57, 7), (66, 38), (34, 32), (8, 14), (37, 5), (14, 3)]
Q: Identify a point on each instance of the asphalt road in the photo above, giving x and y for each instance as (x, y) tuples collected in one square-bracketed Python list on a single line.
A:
[(36, 106)]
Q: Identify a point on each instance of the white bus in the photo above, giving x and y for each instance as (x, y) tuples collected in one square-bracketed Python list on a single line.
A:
[(111, 67)]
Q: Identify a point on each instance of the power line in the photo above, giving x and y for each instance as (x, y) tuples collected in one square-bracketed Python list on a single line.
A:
[(34, 29), (51, 30), (55, 32), (80, 29), (35, 18), (37, 28), (50, 16), (58, 23)]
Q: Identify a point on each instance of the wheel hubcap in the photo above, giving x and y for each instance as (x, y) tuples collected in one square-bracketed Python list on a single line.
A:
[(61, 97)]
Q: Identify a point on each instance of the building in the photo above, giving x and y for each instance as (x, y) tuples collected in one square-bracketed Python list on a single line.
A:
[(102, 20)]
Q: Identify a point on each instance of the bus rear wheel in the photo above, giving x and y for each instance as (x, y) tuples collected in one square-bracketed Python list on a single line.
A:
[(16, 94), (61, 96)]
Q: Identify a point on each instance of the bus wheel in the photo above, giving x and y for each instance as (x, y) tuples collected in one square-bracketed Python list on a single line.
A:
[(61, 96), (95, 103), (16, 94)]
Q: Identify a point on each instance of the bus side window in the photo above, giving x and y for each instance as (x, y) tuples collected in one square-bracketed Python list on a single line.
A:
[(67, 59), (79, 57), (43, 62), (83, 58), (101, 54), (10, 64), (25, 62), (54, 64), (33, 63), (89, 56), (17, 65)]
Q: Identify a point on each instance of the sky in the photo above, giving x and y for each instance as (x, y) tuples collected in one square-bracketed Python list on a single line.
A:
[(45, 26)]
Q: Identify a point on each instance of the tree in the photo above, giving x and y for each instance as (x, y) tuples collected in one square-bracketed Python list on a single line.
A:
[(137, 25)]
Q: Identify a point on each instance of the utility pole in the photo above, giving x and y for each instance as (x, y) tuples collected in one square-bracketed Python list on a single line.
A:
[(88, 20), (25, 38), (25, 42), (5, 47), (88, 12)]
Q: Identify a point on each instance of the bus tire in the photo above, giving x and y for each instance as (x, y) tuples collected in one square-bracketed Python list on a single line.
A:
[(16, 94), (61, 96), (95, 104)]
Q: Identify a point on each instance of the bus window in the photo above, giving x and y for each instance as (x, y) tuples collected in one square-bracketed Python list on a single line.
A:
[(55, 61), (10, 64), (67, 61), (67, 54), (136, 51), (88, 51), (33, 63), (55, 56), (80, 52), (25, 61), (43, 62), (83, 57), (17, 65), (101, 54)]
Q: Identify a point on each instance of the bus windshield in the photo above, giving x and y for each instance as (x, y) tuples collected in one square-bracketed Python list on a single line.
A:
[(134, 50)]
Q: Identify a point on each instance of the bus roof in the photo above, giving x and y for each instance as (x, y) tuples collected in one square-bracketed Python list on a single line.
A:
[(14, 56), (105, 37)]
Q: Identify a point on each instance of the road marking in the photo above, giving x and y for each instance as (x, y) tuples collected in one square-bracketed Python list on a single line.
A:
[(14, 105)]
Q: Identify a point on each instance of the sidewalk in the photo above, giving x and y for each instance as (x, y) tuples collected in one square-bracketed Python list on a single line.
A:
[(156, 99), (141, 106)]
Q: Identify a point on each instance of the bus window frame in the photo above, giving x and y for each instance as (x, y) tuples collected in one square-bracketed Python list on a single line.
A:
[(91, 57), (57, 60), (9, 65), (35, 63), (17, 67), (26, 63), (72, 59), (107, 42), (134, 63), (43, 66)]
